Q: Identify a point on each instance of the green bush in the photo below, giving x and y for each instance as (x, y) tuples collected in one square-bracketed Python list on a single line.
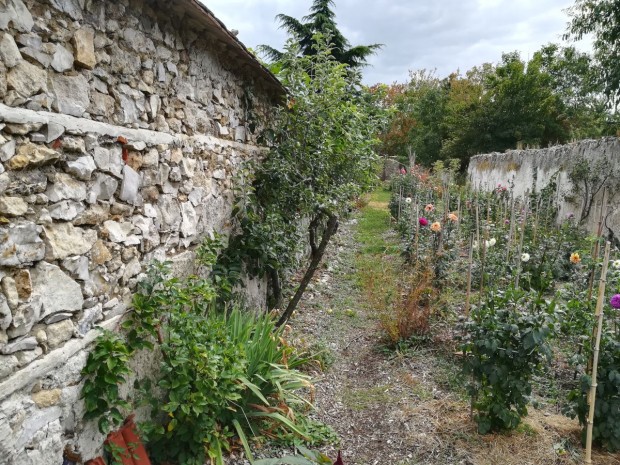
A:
[(606, 428), (506, 340)]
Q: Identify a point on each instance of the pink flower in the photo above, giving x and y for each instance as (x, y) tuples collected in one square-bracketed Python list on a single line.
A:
[(423, 221), (615, 301)]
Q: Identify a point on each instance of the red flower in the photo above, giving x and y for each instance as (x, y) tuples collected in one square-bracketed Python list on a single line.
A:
[(339, 460), (423, 221)]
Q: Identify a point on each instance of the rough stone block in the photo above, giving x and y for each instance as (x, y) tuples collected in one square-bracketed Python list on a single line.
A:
[(31, 155), (59, 293), (130, 185), (64, 240), (83, 41), (27, 79), (71, 94), (21, 244)]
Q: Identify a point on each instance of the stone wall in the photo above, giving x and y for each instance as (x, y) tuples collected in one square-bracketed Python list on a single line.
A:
[(121, 126), (533, 169)]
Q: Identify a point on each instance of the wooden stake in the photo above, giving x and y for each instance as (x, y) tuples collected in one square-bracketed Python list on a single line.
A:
[(597, 346), (512, 226), (469, 267), (599, 233), (520, 252)]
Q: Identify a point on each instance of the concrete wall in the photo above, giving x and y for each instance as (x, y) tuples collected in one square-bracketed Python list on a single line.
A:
[(121, 126), (533, 169)]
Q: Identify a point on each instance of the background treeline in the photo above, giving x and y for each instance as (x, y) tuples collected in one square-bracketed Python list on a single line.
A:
[(559, 95)]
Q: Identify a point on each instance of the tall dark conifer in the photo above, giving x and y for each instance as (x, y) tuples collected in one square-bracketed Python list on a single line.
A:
[(321, 19)]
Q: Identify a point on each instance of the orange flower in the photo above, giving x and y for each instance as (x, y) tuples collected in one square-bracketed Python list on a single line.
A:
[(575, 258), (436, 226), (429, 208), (452, 217)]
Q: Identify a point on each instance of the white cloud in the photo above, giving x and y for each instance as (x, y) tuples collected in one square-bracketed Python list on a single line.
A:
[(446, 34)]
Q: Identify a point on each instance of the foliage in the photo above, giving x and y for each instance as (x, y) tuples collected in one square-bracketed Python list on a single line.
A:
[(223, 375), (321, 20), (107, 368), (506, 340), (322, 158), (306, 457), (600, 18), (606, 430), (555, 96), (588, 179)]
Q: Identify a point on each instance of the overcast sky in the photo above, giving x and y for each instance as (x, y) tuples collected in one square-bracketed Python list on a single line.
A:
[(445, 35)]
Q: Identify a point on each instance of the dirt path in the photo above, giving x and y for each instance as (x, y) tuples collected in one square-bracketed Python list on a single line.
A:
[(403, 408)]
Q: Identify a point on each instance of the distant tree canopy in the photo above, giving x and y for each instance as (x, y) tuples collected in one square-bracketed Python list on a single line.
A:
[(321, 20), (601, 18), (553, 98)]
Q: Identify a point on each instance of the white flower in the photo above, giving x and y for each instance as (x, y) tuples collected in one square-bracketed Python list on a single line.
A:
[(615, 264), (475, 245), (492, 242), (408, 200), (525, 257)]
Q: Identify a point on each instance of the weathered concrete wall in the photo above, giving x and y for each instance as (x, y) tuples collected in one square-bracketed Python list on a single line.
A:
[(82, 211), (533, 169)]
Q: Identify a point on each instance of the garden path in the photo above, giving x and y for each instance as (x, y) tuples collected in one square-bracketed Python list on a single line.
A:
[(408, 407)]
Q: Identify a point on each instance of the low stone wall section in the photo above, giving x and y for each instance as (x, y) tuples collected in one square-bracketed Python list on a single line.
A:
[(527, 170)]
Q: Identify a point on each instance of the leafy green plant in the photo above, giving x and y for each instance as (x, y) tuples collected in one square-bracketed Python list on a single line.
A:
[(606, 429), (506, 340), (306, 457), (106, 369)]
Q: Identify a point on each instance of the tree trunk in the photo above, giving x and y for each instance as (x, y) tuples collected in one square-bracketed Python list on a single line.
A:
[(330, 230), (276, 289)]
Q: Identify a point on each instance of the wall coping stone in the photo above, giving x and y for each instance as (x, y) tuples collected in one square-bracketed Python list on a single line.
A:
[(85, 126)]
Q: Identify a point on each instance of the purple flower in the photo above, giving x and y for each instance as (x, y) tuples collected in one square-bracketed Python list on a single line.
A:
[(423, 221), (615, 301), (506, 221)]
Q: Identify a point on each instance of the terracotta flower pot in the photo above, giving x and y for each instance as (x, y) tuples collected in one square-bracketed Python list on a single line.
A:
[(134, 444), (117, 447), (95, 461)]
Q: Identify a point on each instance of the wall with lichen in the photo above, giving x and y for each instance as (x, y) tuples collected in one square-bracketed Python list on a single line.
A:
[(533, 169), (122, 124)]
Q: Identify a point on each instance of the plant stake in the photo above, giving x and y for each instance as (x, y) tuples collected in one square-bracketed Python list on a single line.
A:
[(597, 344)]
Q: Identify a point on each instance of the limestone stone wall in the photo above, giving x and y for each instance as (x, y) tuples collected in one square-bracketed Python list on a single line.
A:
[(533, 169), (122, 123)]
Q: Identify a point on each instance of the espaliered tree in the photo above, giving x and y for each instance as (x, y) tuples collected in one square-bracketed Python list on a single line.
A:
[(321, 158)]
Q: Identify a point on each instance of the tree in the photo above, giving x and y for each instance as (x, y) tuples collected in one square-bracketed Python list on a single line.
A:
[(321, 158), (321, 20), (601, 18), (576, 79), (417, 119)]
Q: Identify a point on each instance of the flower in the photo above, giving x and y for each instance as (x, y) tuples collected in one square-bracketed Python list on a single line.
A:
[(408, 200), (615, 264), (525, 257), (475, 245), (429, 208), (575, 258), (436, 226), (615, 301), (506, 221), (423, 221), (490, 243), (452, 217)]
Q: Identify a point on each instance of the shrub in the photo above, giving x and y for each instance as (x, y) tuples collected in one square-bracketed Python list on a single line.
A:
[(506, 340), (606, 428)]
